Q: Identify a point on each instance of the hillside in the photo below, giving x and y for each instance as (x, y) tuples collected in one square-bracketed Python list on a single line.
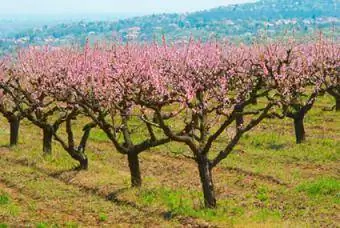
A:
[(237, 22)]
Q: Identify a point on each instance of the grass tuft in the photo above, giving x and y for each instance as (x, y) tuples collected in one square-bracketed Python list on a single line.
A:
[(41, 225), (262, 194), (4, 199), (323, 186), (102, 217)]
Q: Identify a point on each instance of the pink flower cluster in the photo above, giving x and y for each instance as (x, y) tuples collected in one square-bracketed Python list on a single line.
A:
[(162, 73)]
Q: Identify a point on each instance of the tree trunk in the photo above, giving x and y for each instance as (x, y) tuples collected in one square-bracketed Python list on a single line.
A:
[(206, 182), (47, 140), (14, 132), (299, 129), (80, 157), (254, 101), (239, 116), (337, 104), (136, 180), (83, 164)]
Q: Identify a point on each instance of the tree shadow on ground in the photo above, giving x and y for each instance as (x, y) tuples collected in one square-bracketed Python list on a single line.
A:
[(67, 175), (275, 146)]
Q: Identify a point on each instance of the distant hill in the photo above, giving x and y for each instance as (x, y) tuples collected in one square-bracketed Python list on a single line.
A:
[(237, 22)]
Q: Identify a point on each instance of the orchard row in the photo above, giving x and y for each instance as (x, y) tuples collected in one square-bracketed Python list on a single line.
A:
[(192, 93)]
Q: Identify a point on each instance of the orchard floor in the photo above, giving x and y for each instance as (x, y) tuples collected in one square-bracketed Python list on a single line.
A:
[(268, 181)]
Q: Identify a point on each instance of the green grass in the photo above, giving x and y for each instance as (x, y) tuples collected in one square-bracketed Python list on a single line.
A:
[(7, 207), (4, 198), (98, 136), (183, 202), (180, 202), (102, 217), (262, 194), (41, 225), (323, 186), (72, 225), (44, 190), (265, 214)]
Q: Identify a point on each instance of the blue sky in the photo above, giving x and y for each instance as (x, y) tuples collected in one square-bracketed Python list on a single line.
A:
[(108, 6)]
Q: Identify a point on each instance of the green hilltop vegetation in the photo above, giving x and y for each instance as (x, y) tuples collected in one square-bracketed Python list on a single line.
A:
[(272, 18)]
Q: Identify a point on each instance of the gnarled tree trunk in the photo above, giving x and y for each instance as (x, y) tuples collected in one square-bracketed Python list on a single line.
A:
[(300, 134), (337, 104), (81, 158), (47, 139), (77, 153), (206, 182), (254, 101), (14, 122), (239, 116), (335, 93), (84, 164), (136, 179)]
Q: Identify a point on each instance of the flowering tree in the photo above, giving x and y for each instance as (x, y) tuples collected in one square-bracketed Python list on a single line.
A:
[(38, 88), (293, 78), (214, 84), (143, 96), (104, 83), (327, 54), (30, 73), (7, 106), (300, 72)]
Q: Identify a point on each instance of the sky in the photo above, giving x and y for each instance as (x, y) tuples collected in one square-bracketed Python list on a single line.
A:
[(109, 6)]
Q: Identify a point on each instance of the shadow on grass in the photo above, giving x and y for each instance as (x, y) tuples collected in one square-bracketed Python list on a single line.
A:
[(274, 146), (6, 146), (264, 177), (66, 176)]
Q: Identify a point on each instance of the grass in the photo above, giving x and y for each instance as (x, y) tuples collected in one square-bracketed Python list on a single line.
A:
[(103, 217), (4, 199), (41, 225), (7, 206), (323, 187), (268, 181)]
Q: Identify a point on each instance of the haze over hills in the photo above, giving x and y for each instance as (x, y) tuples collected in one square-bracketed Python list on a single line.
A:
[(13, 23), (237, 22)]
